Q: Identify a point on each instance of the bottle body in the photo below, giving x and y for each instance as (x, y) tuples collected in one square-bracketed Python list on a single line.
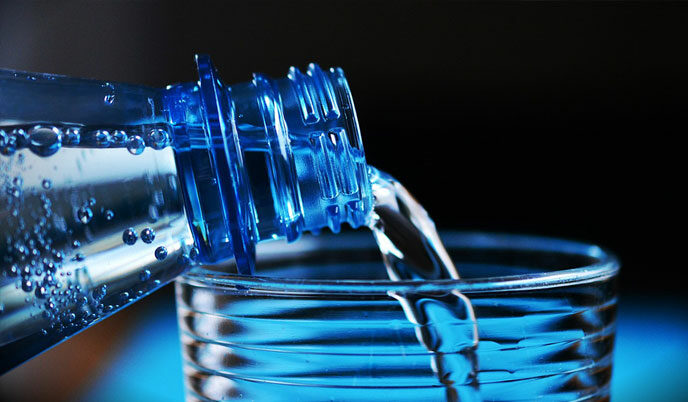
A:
[(71, 190), (109, 191)]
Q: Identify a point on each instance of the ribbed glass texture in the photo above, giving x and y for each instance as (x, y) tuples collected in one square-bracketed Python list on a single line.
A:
[(326, 325)]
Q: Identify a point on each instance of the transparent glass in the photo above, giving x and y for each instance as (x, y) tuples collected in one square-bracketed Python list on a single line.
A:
[(322, 322), (107, 189)]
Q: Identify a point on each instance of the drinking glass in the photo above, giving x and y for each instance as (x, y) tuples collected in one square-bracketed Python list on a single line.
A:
[(321, 322)]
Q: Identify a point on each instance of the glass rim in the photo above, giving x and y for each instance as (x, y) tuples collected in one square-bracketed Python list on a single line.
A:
[(605, 266)]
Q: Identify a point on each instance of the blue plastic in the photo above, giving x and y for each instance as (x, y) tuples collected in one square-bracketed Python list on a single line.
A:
[(267, 159), (89, 170)]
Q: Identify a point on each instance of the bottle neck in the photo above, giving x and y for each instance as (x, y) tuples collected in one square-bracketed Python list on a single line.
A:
[(267, 159)]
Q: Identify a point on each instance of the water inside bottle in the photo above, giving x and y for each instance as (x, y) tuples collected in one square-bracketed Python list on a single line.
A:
[(92, 221)]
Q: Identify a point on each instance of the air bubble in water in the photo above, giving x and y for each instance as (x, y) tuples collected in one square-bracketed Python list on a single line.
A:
[(14, 192), (148, 235), (161, 253), (145, 274), (49, 266), (103, 138), (136, 145), (76, 244), (47, 184), (183, 260), (72, 136), (48, 280), (84, 214), (119, 137), (129, 236), (109, 214), (27, 285), (45, 140), (8, 150), (109, 97), (158, 138), (153, 214), (21, 137), (99, 292), (41, 292), (193, 254), (8, 143), (58, 256)]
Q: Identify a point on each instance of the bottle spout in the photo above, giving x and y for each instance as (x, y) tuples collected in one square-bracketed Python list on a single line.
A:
[(267, 159)]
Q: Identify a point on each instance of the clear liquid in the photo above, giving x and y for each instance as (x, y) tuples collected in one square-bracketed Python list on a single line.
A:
[(412, 250), (280, 338), (69, 195)]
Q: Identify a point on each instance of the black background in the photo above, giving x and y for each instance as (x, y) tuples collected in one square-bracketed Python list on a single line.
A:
[(562, 119)]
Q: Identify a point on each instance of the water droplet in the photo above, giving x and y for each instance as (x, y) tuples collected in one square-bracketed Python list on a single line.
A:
[(76, 244), (72, 136), (148, 235), (119, 137), (45, 140), (161, 253), (84, 214), (79, 257), (47, 184), (129, 236), (109, 214), (91, 201), (145, 274), (103, 138), (158, 138)]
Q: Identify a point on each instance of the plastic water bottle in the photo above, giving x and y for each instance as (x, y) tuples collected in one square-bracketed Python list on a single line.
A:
[(108, 191)]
